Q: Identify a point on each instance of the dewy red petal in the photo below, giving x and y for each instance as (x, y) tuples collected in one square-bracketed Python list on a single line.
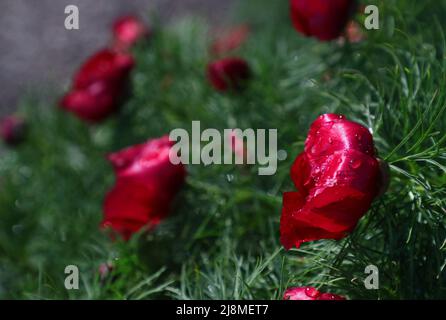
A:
[(337, 177), (309, 293), (323, 19), (146, 183), (331, 296), (127, 31), (330, 133)]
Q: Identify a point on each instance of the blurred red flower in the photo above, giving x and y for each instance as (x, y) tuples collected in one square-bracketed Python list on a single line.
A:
[(309, 293), (353, 33), (99, 85), (323, 19), (127, 31), (228, 74), (337, 177), (230, 40), (12, 129), (146, 183)]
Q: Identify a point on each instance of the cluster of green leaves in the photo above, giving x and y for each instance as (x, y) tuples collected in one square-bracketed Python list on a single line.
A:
[(222, 240)]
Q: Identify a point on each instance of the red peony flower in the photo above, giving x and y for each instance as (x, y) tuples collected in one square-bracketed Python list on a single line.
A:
[(337, 177), (99, 85), (323, 19), (309, 293), (127, 31), (12, 130), (146, 183), (232, 39), (228, 74)]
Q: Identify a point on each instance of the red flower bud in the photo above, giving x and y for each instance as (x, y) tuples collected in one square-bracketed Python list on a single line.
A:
[(99, 85), (323, 19), (232, 39), (146, 183), (228, 74), (353, 34), (384, 171), (337, 177), (238, 145), (309, 293), (105, 269), (12, 129), (127, 31)]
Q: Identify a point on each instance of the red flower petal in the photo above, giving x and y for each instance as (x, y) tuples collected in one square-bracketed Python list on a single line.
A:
[(301, 174), (323, 19), (330, 133), (93, 103), (98, 86), (309, 293), (354, 33), (12, 130), (229, 73)]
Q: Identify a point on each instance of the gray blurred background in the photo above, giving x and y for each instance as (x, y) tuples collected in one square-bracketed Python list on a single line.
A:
[(38, 54)]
